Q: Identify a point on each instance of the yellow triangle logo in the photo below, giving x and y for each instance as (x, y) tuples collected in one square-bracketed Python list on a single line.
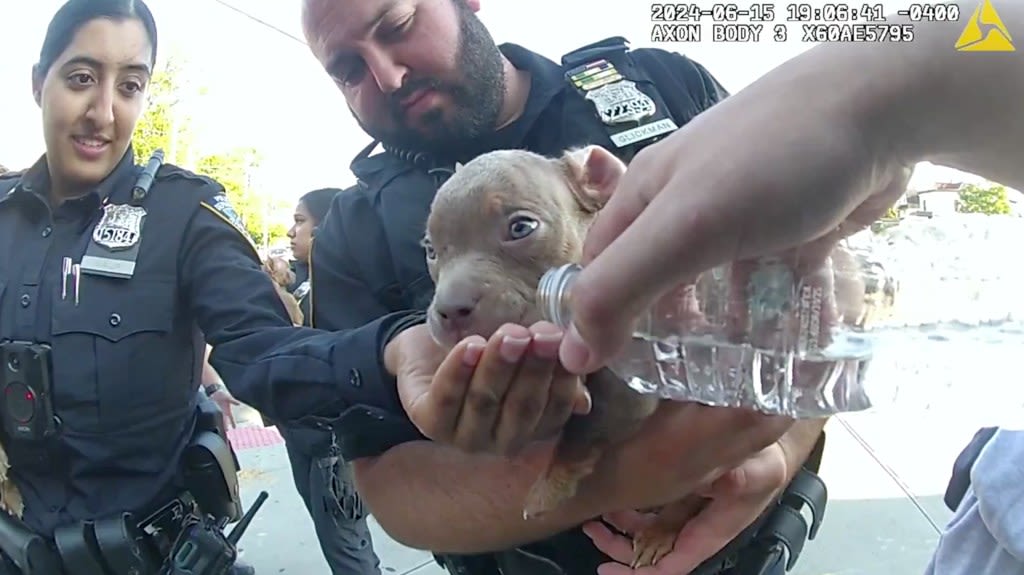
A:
[(985, 32)]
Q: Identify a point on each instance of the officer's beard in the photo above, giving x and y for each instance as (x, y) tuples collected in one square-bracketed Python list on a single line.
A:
[(477, 98)]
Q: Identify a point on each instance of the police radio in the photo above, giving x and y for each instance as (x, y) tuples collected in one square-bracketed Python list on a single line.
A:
[(25, 386), (203, 549)]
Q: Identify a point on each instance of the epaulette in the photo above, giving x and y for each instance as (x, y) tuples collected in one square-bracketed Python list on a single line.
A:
[(215, 199), (8, 181), (173, 172), (595, 51)]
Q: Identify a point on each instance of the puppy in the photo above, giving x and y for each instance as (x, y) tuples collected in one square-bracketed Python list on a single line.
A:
[(10, 497), (494, 228), (279, 271)]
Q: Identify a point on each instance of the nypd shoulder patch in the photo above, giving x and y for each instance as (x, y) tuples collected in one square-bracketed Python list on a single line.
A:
[(221, 206)]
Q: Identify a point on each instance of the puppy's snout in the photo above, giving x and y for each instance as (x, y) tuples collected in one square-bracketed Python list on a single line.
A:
[(456, 309)]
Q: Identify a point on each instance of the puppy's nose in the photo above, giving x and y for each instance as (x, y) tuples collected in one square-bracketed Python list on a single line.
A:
[(456, 312)]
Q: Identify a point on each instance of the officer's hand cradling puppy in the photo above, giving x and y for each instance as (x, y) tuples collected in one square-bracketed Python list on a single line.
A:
[(486, 395)]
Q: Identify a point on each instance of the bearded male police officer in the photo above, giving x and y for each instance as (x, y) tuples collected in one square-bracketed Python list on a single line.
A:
[(424, 78), (113, 276)]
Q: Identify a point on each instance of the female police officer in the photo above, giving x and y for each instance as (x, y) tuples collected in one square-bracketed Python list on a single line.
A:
[(109, 280)]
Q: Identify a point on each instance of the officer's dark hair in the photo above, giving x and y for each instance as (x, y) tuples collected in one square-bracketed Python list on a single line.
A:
[(318, 202), (77, 13)]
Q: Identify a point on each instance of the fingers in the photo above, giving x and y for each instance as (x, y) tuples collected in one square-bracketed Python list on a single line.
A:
[(628, 521), (707, 533), (665, 245), (527, 401), (496, 395), (615, 219), (613, 545), (583, 402), (566, 393), (543, 383), (654, 232), (730, 482), (434, 401), (488, 385)]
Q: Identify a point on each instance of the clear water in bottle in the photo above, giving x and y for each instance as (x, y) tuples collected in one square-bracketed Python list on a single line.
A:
[(762, 334)]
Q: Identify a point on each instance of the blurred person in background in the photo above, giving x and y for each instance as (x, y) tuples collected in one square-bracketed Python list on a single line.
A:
[(322, 478), (309, 212)]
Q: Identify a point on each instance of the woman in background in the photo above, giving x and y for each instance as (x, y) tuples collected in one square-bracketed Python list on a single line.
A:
[(322, 479), (310, 211)]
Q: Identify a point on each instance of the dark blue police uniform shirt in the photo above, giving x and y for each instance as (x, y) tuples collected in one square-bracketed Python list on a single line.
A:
[(353, 251), (127, 357)]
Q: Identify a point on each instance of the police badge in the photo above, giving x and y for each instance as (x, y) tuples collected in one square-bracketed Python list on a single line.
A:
[(120, 227), (631, 116), (621, 103)]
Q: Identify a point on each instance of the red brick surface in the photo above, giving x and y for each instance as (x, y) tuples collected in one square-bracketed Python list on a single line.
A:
[(250, 437)]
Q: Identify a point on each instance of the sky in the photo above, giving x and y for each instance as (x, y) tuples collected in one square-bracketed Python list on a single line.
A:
[(264, 89)]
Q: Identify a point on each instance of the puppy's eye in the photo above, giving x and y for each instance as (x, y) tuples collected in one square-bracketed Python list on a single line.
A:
[(428, 247), (521, 226)]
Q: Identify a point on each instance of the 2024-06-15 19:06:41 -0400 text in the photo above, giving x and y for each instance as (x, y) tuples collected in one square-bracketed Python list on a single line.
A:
[(766, 12), (754, 33)]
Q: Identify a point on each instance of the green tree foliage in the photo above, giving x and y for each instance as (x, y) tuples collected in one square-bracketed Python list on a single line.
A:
[(991, 200), (166, 125), (234, 170)]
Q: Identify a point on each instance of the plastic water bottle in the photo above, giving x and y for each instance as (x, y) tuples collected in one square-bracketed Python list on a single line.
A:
[(753, 334)]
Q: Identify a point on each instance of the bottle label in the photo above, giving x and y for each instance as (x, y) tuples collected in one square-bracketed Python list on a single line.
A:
[(809, 314)]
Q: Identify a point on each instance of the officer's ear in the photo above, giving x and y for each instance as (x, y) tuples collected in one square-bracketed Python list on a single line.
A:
[(593, 174), (37, 85)]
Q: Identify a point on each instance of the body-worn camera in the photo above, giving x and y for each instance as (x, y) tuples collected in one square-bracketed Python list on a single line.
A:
[(27, 406)]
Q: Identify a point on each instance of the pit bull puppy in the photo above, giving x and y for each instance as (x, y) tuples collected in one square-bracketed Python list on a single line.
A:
[(495, 227)]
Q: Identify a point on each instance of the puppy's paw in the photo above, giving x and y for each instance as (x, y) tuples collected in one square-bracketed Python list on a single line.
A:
[(555, 487), (10, 499), (652, 543), (657, 540)]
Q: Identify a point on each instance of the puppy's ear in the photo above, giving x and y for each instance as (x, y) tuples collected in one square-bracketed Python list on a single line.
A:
[(594, 173)]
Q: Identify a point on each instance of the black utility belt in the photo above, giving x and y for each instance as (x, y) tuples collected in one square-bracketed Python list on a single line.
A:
[(177, 539), (112, 545)]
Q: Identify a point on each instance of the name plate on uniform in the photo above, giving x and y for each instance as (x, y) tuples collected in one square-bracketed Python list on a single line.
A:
[(630, 115), (114, 246)]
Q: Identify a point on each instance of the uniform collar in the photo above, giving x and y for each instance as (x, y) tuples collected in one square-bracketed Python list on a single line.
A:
[(546, 82), (36, 180)]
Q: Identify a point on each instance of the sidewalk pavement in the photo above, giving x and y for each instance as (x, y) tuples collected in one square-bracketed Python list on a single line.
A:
[(885, 476)]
